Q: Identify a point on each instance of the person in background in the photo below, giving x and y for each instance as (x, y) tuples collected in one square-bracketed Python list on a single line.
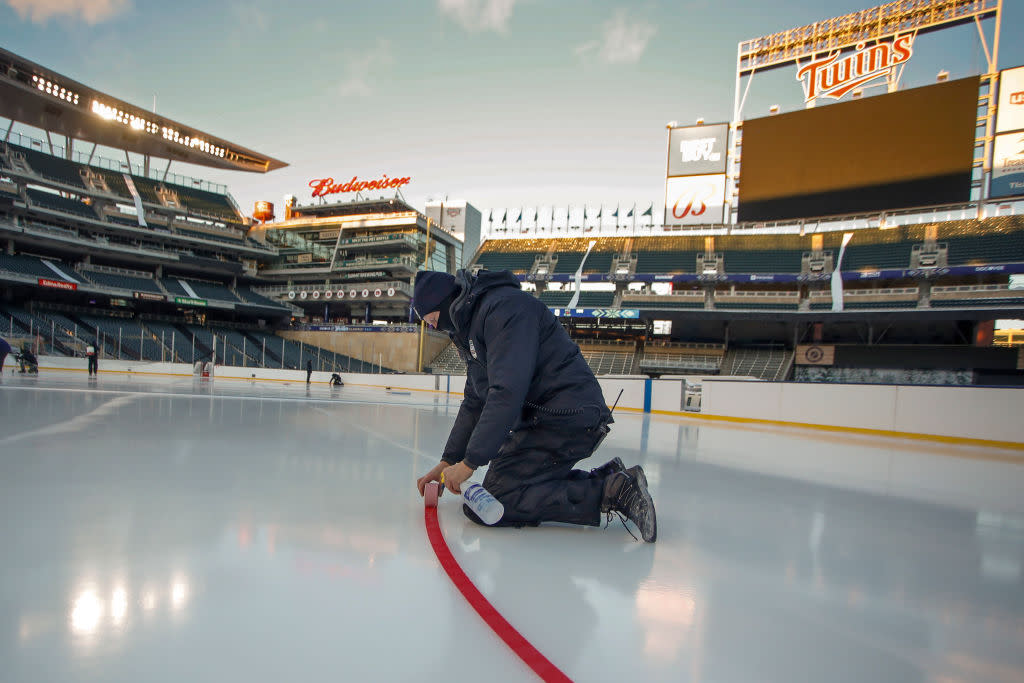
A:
[(90, 353), (309, 370), (532, 408), (5, 348)]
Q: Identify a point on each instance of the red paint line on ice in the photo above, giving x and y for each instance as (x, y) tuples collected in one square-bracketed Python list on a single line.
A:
[(533, 658)]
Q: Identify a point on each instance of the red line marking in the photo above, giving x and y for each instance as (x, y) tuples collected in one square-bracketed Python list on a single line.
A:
[(533, 658)]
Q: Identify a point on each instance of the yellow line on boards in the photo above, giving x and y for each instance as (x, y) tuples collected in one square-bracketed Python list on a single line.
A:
[(941, 438)]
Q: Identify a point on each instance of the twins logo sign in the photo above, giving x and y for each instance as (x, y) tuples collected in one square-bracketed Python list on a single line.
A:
[(694, 200)]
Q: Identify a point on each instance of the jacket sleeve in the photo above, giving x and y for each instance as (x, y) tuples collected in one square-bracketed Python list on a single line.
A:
[(465, 421), (511, 336)]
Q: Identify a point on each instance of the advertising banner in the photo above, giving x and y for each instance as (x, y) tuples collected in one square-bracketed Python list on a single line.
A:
[(629, 313), (695, 200), (1010, 109), (697, 150), (57, 284), (1007, 166), (815, 354), (189, 301), (149, 296)]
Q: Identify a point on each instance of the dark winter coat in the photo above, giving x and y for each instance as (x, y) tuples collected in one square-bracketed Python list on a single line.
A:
[(522, 368)]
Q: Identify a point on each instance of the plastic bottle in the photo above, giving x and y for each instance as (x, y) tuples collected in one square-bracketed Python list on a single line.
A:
[(486, 506)]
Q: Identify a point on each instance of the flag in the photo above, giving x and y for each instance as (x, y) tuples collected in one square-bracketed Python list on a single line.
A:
[(616, 214), (490, 218), (504, 217), (599, 211), (520, 219), (536, 214), (649, 211)]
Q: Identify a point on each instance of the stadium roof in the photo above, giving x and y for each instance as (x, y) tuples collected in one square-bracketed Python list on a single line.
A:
[(34, 95)]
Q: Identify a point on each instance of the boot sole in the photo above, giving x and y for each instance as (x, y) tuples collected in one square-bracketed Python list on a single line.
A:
[(641, 479)]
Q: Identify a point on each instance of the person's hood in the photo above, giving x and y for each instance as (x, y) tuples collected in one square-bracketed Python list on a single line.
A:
[(471, 288)]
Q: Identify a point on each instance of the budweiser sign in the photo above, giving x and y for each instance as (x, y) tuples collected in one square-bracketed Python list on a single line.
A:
[(837, 75), (326, 186)]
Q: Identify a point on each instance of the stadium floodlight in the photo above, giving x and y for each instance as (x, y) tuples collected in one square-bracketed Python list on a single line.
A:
[(774, 109), (942, 76)]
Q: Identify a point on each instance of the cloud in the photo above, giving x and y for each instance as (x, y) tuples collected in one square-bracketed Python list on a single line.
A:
[(361, 69), (622, 40), (479, 15), (89, 11)]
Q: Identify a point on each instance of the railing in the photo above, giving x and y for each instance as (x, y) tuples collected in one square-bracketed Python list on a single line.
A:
[(116, 165), (280, 290), (877, 219)]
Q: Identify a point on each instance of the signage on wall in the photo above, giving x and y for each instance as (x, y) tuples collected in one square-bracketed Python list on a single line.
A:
[(57, 284), (697, 150), (694, 200), (1007, 166), (325, 186), (836, 75), (190, 301), (1010, 107), (815, 354)]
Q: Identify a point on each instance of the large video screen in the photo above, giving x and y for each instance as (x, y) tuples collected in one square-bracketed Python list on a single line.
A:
[(905, 149)]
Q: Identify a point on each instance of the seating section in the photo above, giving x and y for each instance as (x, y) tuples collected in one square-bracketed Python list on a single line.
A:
[(568, 262), (176, 344), (30, 265), (208, 290), (135, 284), (173, 287), (194, 200), (251, 297), (120, 337), (448, 362), (666, 302), (586, 300), (227, 239), (756, 306), (556, 298), (54, 202), (667, 362), (610, 362), (768, 364), (52, 167)]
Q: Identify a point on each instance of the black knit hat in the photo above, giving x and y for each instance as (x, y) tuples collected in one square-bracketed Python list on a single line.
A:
[(432, 288)]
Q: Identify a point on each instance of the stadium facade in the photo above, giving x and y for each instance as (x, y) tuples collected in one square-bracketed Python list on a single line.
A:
[(848, 272)]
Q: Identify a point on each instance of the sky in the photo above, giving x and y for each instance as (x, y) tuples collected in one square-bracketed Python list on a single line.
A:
[(503, 103)]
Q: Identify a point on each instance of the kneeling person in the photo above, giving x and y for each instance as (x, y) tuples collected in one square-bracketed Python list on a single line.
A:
[(532, 408)]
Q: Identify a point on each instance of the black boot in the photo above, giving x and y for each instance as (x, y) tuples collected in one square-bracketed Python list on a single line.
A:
[(609, 468), (626, 494)]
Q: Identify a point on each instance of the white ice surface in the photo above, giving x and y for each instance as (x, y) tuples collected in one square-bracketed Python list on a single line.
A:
[(177, 530)]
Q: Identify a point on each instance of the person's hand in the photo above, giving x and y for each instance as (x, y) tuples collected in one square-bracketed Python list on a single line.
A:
[(455, 475), (432, 475)]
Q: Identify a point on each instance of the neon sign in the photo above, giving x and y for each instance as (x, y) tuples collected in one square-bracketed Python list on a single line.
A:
[(834, 77), (325, 186)]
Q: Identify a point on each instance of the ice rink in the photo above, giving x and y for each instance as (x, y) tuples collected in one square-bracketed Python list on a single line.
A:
[(160, 529)]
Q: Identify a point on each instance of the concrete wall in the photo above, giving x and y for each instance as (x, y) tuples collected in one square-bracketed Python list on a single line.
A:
[(396, 350)]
